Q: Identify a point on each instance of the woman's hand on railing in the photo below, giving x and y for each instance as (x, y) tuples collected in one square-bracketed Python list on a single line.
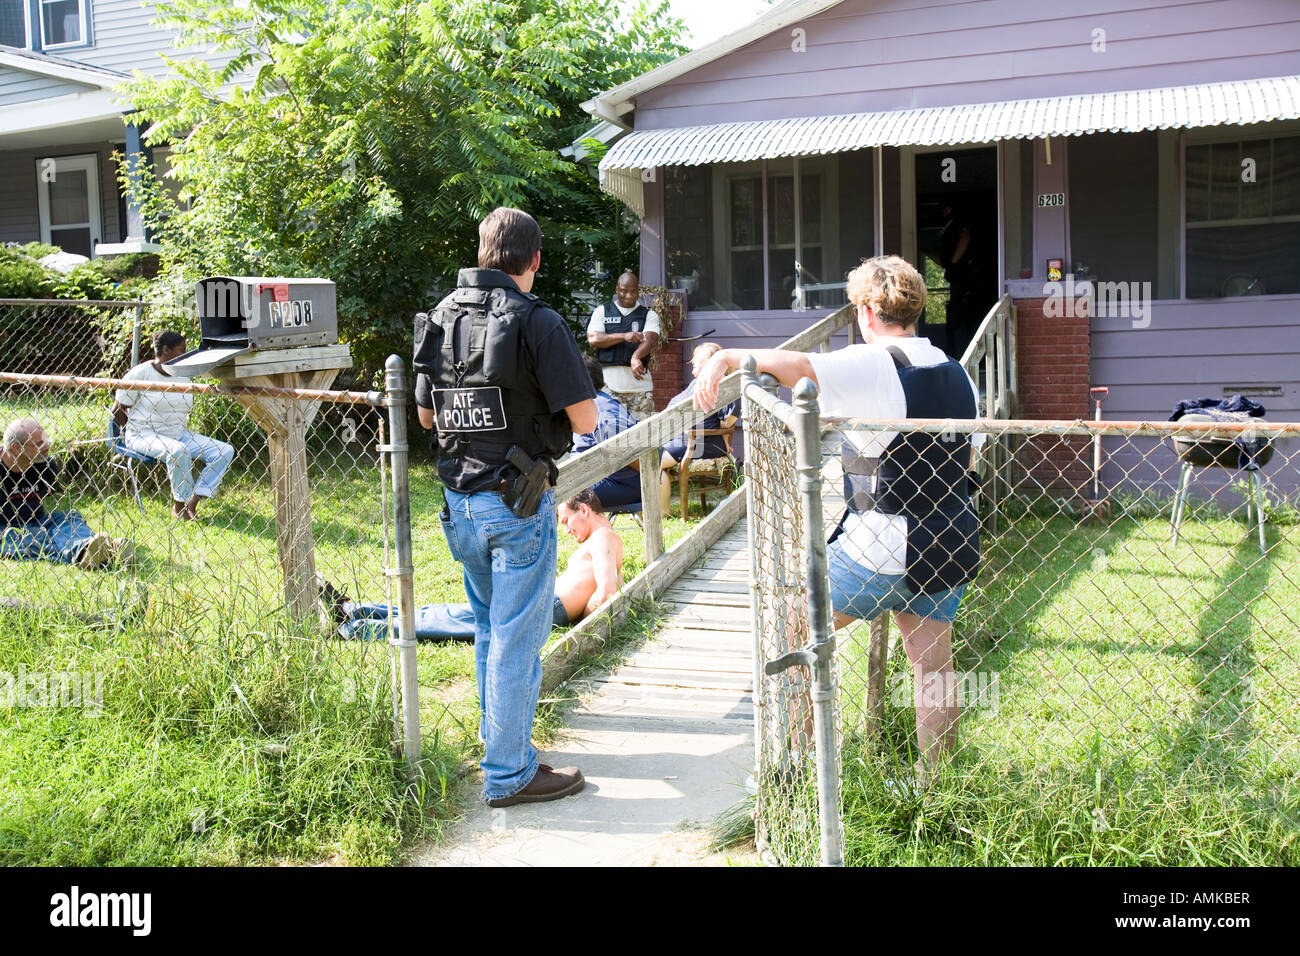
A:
[(706, 382)]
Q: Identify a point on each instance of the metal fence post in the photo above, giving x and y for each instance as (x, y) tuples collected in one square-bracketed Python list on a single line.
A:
[(135, 331), (402, 640), (807, 436), (749, 376)]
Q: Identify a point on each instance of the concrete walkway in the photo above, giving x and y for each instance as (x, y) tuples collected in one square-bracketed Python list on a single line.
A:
[(666, 743)]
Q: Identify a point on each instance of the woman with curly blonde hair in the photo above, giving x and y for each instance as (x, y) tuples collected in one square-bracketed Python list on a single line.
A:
[(909, 542)]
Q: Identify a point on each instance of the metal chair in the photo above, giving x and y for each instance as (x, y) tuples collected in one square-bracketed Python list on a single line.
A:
[(714, 474), (1218, 453), (125, 459), (633, 509)]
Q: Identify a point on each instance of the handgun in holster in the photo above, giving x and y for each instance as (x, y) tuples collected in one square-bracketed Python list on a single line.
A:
[(523, 495)]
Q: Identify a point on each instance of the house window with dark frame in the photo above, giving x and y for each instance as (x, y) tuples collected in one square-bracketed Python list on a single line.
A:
[(1243, 217), (13, 23), (63, 22)]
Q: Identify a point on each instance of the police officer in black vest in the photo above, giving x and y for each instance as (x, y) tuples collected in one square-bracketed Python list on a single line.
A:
[(502, 383), (625, 334), (910, 542)]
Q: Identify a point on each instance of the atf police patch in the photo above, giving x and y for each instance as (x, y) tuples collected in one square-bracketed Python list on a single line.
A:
[(469, 409)]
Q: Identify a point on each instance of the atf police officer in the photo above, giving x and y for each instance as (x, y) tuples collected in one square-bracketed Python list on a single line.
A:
[(502, 382), (910, 543), (625, 334)]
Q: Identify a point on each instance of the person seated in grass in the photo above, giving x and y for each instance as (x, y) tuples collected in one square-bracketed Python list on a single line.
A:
[(157, 425), (27, 531), (593, 576), (707, 446)]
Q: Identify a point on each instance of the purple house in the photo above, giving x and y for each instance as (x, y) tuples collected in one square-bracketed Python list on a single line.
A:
[(1152, 149)]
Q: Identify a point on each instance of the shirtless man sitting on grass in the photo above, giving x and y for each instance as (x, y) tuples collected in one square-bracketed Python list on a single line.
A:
[(593, 576)]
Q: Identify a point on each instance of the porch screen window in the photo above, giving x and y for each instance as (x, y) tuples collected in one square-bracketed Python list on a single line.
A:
[(746, 242), (688, 234), (1243, 218), (794, 241), (63, 22), (13, 27), (741, 237)]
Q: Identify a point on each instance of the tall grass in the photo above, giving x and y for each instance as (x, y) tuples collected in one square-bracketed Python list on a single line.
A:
[(1147, 709)]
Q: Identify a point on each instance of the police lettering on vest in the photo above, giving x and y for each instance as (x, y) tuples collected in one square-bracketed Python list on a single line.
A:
[(486, 397), (923, 477), (616, 323)]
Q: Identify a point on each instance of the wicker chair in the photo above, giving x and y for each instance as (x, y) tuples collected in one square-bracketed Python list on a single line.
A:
[(705, 474)]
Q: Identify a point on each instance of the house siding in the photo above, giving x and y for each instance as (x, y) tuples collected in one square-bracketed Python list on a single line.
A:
[(126, 39), (865, 55), (19, 215), (19, 86), (1197, 348)]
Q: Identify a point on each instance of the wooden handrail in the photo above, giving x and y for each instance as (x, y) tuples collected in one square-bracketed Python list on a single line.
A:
[(584, 470), (643, 440)]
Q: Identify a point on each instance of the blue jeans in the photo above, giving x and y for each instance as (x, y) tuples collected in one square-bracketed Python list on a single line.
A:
[(509, 570), (433, 622), (621, 488), (59, 536)]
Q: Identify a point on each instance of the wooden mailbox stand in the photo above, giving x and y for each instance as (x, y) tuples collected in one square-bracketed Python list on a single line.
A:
[(285, 422)]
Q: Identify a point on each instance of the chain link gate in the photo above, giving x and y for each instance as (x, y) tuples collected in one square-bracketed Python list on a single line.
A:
[(796, 753), (1124, 670)]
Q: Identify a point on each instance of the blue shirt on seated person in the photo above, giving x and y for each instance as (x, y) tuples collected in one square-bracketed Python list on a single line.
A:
[(623, 487)]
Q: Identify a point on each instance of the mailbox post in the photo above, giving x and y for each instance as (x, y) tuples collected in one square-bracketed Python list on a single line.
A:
[(281, 333)]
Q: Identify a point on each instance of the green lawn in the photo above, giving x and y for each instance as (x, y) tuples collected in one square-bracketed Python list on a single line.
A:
[(1146, 706), (227, 734)]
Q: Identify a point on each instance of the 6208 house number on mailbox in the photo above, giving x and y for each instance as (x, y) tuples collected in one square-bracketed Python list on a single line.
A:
[(290, 313)]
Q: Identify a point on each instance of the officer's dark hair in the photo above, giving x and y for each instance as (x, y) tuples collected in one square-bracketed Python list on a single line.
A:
[(166, 340), (507, 240), (588, 497), (594, 370)]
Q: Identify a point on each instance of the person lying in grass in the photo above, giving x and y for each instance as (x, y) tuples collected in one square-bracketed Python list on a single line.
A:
[(594, 575), (27, 531)]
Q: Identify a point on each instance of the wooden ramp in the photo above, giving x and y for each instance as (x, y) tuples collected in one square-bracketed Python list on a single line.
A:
[(665, 741), (699, 665)]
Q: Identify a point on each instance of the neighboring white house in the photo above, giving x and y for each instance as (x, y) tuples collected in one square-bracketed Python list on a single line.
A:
[(61, 122)]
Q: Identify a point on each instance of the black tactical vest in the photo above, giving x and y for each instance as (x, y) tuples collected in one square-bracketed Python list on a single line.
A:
[(923, 477), (616, 323), (485, 393)]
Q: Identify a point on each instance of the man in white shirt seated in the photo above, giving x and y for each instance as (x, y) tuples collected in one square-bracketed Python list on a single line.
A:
[(625, 334), (157, 425), (910, 542)]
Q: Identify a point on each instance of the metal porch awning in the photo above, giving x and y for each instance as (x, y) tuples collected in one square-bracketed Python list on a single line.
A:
[(1183, 107)]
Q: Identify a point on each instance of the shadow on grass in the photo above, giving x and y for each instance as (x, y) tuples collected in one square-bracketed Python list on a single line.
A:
[(1091, 756)]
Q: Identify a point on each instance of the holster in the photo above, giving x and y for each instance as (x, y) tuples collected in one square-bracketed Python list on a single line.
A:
[(523, 495)]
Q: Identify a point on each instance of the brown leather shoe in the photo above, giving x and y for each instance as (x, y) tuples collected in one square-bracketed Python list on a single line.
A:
[(548, 784)]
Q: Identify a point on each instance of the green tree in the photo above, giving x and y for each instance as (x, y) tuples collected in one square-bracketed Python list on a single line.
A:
[(372, 137)]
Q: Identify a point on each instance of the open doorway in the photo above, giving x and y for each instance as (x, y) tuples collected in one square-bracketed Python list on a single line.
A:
[(956, 242)]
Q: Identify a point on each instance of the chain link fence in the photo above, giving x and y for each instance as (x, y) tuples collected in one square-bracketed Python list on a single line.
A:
[(94, 534), (1121, 682), (84, 336)]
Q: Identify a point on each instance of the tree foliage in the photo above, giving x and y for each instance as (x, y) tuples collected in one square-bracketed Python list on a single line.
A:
[(363, 142)]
